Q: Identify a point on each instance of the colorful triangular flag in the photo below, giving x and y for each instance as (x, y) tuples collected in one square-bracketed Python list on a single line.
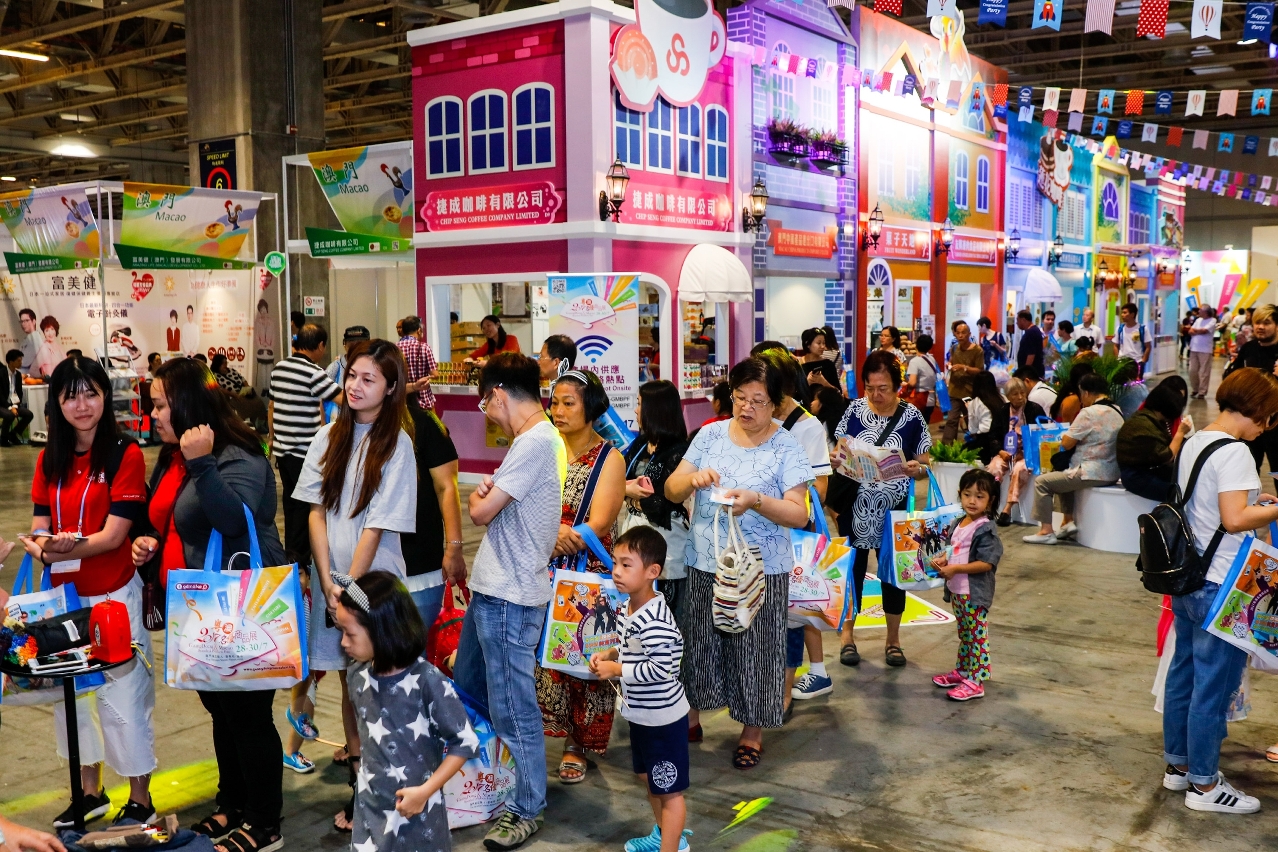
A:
[(1251, 144), (893, 6), (1124, 129), (1076, 122), (1026, 114), (1047, 13), (1153, 18), (1206, 19), (998, 94), (1174, 135), (1258, 22), (1099, 125), (993, 12), (1100, 16), (1105, 102), (1135, 102), (1163, 103), (1228, 103), (1273, 146)]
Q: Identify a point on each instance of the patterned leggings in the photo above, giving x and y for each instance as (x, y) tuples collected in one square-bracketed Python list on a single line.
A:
[(973, 631)]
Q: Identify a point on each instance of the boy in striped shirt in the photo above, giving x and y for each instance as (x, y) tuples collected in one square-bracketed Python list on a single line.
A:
[(652, 696)]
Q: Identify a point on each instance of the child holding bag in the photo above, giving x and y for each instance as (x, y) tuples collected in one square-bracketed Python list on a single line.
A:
[(974, 552)]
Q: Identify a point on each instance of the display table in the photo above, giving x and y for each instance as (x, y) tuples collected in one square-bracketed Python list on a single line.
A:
[(73, 729)]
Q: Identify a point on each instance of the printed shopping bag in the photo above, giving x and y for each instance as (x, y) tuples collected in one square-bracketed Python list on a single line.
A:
[(28, 605), (1245, 612), (584, 613), (739, 585), (235, 630), (820, 592), (1041, 441), (443, 636), (479, 790), (911, 539)]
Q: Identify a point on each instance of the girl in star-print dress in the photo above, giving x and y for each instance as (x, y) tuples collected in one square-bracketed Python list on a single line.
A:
[(413, 727)]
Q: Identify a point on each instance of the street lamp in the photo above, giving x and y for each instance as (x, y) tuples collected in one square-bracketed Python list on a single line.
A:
[(947, 238), (874, 230), (611, 199), (1013, 243), (1054, 253), (752, 213)]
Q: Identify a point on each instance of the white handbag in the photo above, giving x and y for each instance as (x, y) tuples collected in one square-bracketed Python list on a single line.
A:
[(739, 585)]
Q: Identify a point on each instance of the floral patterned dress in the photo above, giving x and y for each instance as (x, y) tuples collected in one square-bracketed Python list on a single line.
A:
[(569, 705)]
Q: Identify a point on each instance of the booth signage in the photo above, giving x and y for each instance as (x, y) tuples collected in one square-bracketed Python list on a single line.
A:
[(21, 264), (668, 51), (601, 313), (973, 250), (370, 188), (904, 244), (313, 306), (673, 207), (788, 243), (188, 220), (326, 243), (217, 164), (490, 206), (1031, 254), (52, 222), (139, 257), (1072, 260), (275, 262)]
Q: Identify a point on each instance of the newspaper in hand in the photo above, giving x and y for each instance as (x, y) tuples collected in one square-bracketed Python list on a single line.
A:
[(864, 462)]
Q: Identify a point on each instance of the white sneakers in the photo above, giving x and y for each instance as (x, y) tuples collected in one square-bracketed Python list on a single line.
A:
[(1065, 533), (1221, 799)]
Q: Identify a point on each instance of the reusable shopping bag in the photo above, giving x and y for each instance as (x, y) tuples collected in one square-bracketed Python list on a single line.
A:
[(911, 539), (739, 585), (479, 790), (584, 613), (1041, 441), (444, 635), (28, 605), (821, 592), (942, 395), (1245, 612), (235, 630)]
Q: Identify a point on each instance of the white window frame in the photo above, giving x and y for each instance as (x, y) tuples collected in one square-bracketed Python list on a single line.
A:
[(782, 87), (961, 164), (718, 145), (618, 128), (915, 171), (460, 136), (534, 127), (1073, 214), (825, 109), (689, 112), (982, 184), (652, 129), (887, 167), (471, 133)]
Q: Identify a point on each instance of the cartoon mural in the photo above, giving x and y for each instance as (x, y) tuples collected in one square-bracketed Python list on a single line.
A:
[(667, 51), (1055, 159)]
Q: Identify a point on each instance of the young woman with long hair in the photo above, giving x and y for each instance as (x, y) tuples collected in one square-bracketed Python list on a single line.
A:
[(210, 466), (360, 477)]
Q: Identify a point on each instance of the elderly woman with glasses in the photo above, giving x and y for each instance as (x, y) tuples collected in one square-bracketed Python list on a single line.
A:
[(757, 470)]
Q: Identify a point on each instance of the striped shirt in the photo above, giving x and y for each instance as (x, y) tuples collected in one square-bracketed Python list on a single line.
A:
[(298, 386), (651, 650)]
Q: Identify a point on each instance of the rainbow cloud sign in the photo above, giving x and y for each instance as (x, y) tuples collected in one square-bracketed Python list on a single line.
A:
[(601, 313)]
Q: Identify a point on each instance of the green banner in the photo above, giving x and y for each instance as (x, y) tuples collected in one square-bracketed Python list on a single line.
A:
[(138, 257), (326, 243), (21, 264)]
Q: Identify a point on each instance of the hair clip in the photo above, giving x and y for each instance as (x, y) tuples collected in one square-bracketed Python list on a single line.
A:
[(566, 373), (347, 582)]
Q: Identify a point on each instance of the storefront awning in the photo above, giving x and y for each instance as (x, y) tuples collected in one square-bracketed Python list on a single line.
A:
[(1042, 286), (714, 274)]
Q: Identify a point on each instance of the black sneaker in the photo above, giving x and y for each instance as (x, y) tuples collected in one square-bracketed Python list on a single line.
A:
[(133, 812), (95, 807)]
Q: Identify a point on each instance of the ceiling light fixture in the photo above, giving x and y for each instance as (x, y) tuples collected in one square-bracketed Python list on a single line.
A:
[(68, 149), (22, 54), (8, 178)]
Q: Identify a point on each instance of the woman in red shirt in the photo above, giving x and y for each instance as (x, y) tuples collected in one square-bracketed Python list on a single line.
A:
[(89, 488), (498, 340)]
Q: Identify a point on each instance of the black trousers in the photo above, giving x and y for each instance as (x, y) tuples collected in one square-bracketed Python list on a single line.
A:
[(1153, 484), (248, 749), (297, 531), (1265, 446), (12, 425)]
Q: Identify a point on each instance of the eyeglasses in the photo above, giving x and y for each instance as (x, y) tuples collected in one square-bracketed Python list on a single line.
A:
[(751, 404), (483, 403)]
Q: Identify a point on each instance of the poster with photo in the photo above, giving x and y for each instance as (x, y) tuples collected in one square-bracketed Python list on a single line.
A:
[(601, 313)]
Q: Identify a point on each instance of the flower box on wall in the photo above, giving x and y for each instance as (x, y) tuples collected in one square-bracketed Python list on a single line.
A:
[(829, 155)]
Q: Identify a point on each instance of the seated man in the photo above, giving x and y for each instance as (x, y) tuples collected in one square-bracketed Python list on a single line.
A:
[(14, 416)]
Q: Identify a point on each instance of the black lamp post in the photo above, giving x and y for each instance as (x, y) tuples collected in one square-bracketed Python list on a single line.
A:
[(873, 230), (752, 213), (947, 238), (611, 199)]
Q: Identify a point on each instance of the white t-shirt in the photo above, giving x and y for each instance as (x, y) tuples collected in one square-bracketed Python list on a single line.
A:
[(1043, 395), (1203, 342), (979, 417), (810, 433), (1129, 341), (1230, 468), (1092, 331), (926, 369), (512, 558)]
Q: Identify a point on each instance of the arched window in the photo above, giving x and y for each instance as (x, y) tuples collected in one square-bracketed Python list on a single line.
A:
[(534, 126), (660, 136), (982, 184), (690, 141), (960, 180), (487, 130), (782, 85), (444, 137), (716, 143), (628, 127)]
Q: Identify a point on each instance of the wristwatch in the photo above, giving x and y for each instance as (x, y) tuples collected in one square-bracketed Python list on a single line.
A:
[(758, 504)]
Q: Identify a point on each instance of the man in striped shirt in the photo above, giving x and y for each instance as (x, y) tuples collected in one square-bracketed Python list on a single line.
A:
[(299, 389), (420, 359), (652, 698)]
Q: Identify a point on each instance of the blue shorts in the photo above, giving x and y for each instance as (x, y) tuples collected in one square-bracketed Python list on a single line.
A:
[(793, 647), (661, 753)]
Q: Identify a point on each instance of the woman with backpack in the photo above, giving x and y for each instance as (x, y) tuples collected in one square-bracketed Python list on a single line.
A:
[(1221, 508), (89, 488)]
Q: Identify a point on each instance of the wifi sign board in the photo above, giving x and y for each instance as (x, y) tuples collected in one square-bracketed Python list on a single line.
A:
[(601, 313)]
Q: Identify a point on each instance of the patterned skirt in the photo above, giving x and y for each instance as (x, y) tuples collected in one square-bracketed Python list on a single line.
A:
[(582, 709)]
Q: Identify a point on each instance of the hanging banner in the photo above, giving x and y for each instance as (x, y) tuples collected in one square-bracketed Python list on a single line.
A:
[(370, 189), (1047, 13), (601, 313), (1258, 21), (183, 227), (53, 228)]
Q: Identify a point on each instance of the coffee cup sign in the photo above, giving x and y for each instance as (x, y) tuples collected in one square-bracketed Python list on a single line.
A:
[(668, 51)]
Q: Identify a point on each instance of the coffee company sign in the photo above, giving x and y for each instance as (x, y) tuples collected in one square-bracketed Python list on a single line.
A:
[(668, 51)]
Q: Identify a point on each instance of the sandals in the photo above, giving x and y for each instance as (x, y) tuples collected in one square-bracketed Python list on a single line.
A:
[(746, 757), (695, 734), (347, 813), (248, 838), (894, 656), (849, 656), (214, 830), (573, 766)]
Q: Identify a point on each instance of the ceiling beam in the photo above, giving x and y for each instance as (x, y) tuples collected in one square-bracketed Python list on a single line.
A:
[(368, 45), (118, 60), (152, 136), (369, 139), (388, 73), (1138, 76), (368, 121), (367, 101), (80, 128), (89, 21), (153, 91), (354, 8)]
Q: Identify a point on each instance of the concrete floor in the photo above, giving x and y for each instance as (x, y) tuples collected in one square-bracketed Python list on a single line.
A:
[(1064, 752)]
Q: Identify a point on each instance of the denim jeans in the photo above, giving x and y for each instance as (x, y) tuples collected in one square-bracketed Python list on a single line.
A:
[(1205, 671), (429, 602), (496, 658)]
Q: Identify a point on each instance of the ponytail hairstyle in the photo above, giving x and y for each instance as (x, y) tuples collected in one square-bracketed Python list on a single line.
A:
[(382, 439), (71, 378)]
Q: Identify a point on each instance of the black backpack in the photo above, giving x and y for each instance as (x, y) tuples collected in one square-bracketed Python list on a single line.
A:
[(1169, 561)]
